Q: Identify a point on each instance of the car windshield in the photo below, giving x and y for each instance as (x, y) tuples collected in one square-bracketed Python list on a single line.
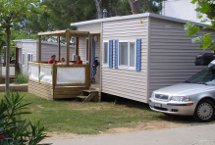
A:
[(205, 76)]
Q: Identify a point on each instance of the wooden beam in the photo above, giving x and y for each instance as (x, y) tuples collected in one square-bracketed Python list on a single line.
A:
[(89, 62), (54, 76), (40, 50), (17, 61), (89, 49), (63, 33), (59, 49), (77, 46), (68, 36)]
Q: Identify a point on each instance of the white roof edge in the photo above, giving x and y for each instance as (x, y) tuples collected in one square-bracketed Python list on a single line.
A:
[(117, 18), (109, 19), (174, 19), (26, 40)]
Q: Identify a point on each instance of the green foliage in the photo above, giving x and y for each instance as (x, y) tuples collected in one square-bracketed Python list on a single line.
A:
[(22, 34), (191, 29), (59, 14), (18, 131), (205, 40), (21, 79)]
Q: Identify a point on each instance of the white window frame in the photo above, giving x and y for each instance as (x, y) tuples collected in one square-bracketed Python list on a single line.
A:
[(127, 66), (103, 54)]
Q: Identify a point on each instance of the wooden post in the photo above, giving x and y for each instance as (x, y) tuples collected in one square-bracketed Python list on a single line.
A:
[(67, 47), (40, 50), (4, 49), (54, 76), (89, 49), (77, 46), (89, 60), (59, 49), (17, 61), (54, 79)]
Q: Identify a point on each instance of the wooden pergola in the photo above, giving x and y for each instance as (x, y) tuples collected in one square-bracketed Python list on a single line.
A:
[(68, 34)]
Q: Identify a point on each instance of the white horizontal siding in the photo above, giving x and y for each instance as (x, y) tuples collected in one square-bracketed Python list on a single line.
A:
[(172, 54), (92, 28), (120, 82), (50, 49)]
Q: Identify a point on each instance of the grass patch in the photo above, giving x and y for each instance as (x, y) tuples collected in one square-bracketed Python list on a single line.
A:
[(21, 79), (85, 118)]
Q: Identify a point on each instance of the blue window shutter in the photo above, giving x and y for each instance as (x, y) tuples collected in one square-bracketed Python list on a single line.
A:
[(116, 53), (138, 55), (110, 53)]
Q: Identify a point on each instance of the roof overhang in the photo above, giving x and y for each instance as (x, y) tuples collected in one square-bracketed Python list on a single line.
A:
[(143, 15)]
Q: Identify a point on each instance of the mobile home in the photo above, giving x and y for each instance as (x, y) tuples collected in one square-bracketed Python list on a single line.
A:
[(140, 53)]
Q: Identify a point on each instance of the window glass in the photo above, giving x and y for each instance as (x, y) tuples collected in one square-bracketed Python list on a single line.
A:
[(123, 53), (132, 54), (23, 58), (30, 57), (206, 76), (105, 61)]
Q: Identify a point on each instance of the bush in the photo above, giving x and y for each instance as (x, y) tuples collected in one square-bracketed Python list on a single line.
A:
[(21, 79), (13, 129)]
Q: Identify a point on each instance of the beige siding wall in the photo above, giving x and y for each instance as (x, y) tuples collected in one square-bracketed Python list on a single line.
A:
[(126, 83), (172, 54), (92, 28), (50, 49)]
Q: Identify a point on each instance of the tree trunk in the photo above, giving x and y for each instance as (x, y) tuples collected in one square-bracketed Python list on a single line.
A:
[(7, 79), (132, 6), (98, 9)]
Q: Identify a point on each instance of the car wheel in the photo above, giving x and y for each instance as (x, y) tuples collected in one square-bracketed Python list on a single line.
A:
[(204, 111)]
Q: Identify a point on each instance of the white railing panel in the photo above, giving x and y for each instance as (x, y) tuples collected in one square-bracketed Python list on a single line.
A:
[(33, 72), (70, 75), (46, 74), (12, 71)]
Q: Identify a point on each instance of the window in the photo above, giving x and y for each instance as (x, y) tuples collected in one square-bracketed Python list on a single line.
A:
[(30, 57), (106, 53), (123, 53), (127, 54), (23, 59)]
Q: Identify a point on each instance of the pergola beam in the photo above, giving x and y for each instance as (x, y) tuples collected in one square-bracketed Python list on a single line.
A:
[(63, 33), (77, 46)]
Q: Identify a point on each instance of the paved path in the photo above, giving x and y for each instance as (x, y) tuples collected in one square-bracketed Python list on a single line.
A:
[(194, 135)]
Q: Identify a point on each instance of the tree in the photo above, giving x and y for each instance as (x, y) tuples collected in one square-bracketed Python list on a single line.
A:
[(59, 14), (11, 12), (206, 39), (98, 8)]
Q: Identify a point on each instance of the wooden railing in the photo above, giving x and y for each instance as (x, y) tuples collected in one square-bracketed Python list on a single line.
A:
[(60, 74)]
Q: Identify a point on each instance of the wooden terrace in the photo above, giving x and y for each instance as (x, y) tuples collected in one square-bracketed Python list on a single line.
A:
[(60, 81)]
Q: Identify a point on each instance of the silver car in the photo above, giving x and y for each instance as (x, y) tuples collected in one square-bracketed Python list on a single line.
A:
[(194, 97)]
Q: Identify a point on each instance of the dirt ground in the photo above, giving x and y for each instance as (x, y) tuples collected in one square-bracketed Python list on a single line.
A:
[(151, 125)]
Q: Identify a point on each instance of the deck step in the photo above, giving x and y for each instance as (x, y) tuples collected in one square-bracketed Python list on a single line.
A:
[(90, 91), (89, 95), (82, 97)]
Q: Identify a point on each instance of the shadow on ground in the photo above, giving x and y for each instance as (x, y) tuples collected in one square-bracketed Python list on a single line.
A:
[(162, 116)]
